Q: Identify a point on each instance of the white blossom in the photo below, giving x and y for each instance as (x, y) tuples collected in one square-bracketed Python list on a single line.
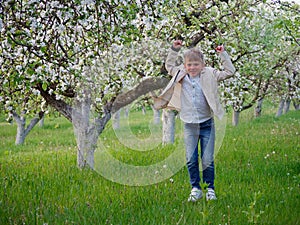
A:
[(35, 92)]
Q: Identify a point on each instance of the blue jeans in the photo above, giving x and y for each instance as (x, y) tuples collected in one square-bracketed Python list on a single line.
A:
[(205, 132)]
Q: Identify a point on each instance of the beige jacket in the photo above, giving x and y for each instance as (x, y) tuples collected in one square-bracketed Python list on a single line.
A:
[(209, 78)]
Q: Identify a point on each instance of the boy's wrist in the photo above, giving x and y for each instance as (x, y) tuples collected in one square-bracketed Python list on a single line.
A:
[(175, 49)]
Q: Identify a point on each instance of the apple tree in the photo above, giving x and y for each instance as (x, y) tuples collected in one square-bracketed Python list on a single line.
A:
[(55, 48)]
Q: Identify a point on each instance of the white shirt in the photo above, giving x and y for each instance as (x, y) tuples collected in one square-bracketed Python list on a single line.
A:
[(194, 106)]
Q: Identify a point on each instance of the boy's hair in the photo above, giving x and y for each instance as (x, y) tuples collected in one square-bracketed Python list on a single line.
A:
[(194, 54)]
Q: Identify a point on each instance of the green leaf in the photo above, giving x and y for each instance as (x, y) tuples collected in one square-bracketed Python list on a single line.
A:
[(30, 71), (278, 25), (44, 86), (44, 49)]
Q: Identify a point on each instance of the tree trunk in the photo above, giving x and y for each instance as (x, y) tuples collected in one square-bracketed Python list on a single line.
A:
[(143, 110), (280, 108), (258, 108), (235, 118), (296, 105), (116, 120), (156, 116), (86, 137), (21, 123), (42, 121), (126, 112), (85, 147), (168, 126), (287, 105), (22, 130), (84, 133), (87, 133)]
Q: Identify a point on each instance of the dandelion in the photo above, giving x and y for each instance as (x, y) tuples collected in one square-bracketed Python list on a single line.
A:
[(165, 166), (171, 180)]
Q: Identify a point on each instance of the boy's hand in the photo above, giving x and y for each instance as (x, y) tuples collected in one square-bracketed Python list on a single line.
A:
[(177, 44), (220, 49)]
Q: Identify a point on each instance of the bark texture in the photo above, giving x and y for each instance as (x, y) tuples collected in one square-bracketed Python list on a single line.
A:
[(235, 117), (22, 130), (258, 108), (156, 116), (168, 126)]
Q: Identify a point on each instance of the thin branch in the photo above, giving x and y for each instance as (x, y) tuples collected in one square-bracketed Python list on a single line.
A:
[(246, 53), (294, 38)]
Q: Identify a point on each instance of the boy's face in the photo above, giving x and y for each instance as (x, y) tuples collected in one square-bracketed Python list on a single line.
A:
[(193, 68)]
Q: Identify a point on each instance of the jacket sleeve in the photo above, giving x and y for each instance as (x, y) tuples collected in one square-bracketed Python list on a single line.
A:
[(170, 62), (229, 68)]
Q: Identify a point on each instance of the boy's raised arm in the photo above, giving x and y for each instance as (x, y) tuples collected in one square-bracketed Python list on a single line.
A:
[(229, 68), (172, 57)]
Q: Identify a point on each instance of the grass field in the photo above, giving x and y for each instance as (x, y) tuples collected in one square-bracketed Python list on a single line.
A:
[(257, 178)]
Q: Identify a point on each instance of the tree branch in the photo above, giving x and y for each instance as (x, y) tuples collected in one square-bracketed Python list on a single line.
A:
[(147, 85), (61, 106), (33, 122), (246, 53)]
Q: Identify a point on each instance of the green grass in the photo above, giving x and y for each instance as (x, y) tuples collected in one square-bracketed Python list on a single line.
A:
[(257, 178)]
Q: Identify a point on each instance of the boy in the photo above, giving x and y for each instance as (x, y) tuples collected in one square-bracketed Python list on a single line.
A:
[(193, 91)]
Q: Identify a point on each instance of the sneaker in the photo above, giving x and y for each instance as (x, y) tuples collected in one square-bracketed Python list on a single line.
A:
[(210, 195), (195, 195)]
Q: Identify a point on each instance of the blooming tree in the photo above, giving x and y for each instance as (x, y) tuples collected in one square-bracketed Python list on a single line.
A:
[(88, 59), (261, 49), (54, 49), (287, 86)]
